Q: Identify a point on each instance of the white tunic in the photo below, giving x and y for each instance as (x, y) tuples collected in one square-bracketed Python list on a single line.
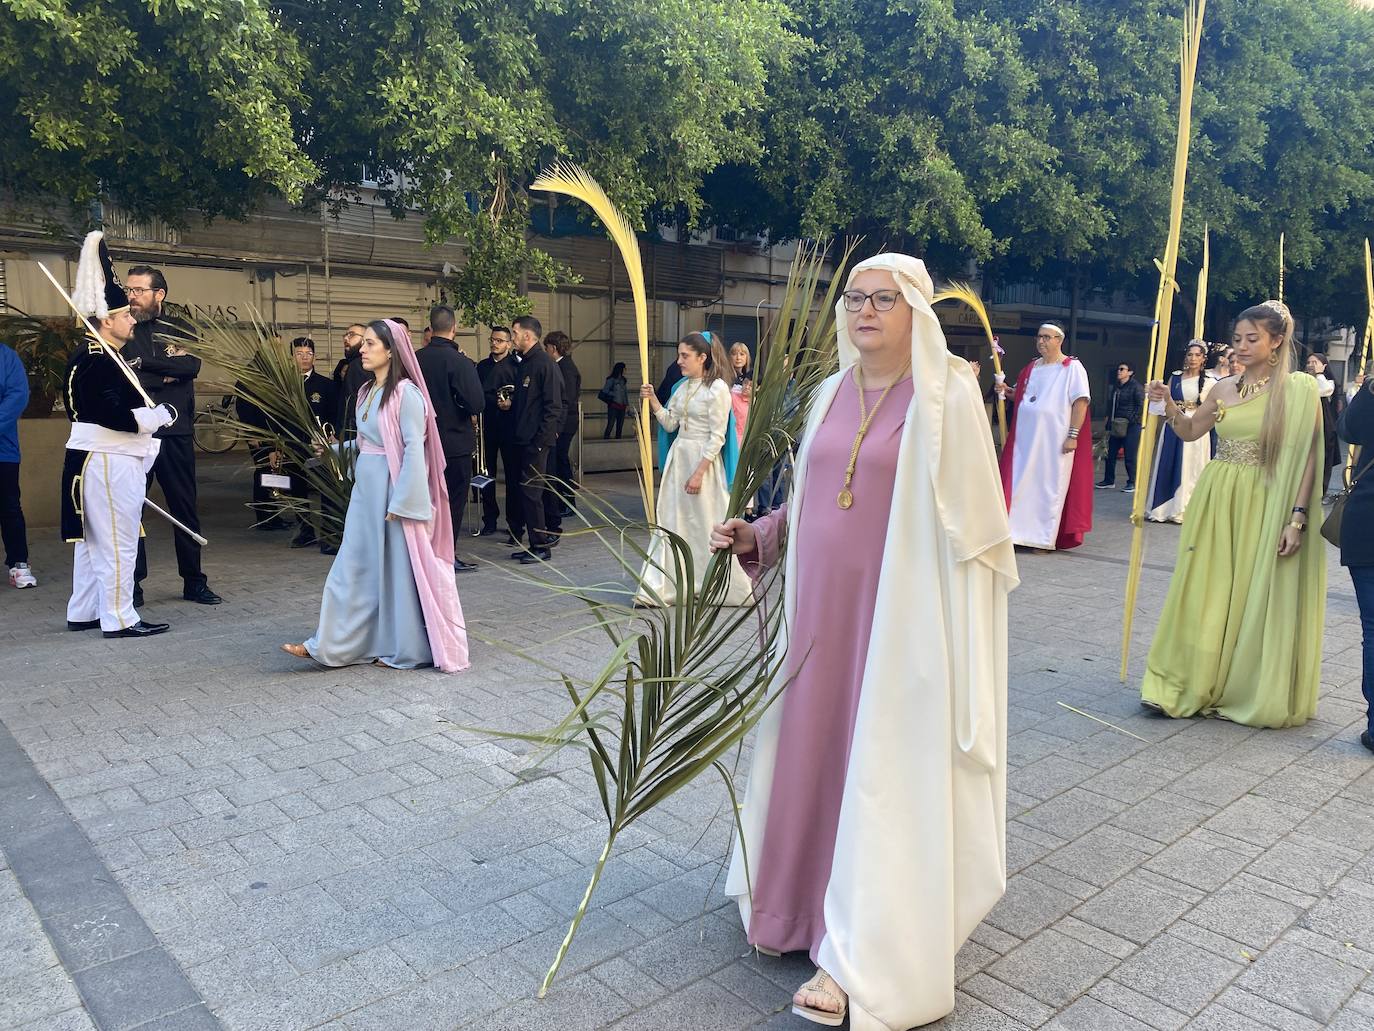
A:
[(699, 415), (1041, 468)]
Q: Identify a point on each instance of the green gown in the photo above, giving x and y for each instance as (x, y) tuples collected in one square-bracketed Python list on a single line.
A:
[(1240, 636)]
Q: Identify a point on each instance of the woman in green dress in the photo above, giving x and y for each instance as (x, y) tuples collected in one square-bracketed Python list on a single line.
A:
[(1240, 636)]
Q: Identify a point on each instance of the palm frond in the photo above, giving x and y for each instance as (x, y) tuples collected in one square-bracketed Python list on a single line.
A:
[(965, 294), (266, 378), (572, 181)]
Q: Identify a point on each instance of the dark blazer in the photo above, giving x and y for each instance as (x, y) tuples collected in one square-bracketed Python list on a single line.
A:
[(454, 391), (349, 378), (495, 375), (1357, 427), (322, 397), (147, 352), (572, 392), (538, 407)]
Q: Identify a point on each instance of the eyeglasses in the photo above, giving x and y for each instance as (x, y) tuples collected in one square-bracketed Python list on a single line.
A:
[(1122, 368), (139, 291), (883, 300)]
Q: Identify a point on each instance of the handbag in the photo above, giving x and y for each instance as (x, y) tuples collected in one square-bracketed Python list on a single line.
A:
[(1331, 525), (1121, 427)]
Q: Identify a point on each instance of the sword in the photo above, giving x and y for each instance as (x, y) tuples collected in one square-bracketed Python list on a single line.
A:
[(175, 522)]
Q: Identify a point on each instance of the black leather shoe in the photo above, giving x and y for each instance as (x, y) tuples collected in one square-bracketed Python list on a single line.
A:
[(519, 556), (513, 541), (486, 531), (567, 512), (140, 629), (459, 566), (1366, 739), (138, 597), (328, 549), (554, 537), (201, 595), (90, 624), (535, 555)]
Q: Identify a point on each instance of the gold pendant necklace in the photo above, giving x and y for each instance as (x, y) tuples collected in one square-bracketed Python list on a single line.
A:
[(1249, 389), (367, 404), (846, 497)]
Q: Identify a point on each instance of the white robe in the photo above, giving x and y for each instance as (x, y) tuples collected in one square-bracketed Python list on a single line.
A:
[(1040, 468), (920, 852), (1196, 455), (699, 416)]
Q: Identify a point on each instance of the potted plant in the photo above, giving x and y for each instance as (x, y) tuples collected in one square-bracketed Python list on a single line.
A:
[(44, 344)]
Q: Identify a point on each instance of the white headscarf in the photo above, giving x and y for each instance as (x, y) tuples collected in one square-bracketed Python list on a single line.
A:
[(953, 425)]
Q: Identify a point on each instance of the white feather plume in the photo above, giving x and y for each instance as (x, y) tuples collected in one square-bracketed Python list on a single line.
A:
[(88, 292)]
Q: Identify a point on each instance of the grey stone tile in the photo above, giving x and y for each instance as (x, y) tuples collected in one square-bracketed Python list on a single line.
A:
[(581, 1003), (1203, 859), (1144, 1009), (1072, 813), (701, 1006), (971, 1015), (1102, 855), (1280, 1018), (1177, 974), (1244, 915), (456, 942), (1164, 817), (133, 990), (1006, 999), (690, 952), (1132, 908), (88, 937), (1053, 968), (1260, 821), (36, 996), (1088, 1014), (1029, 906), (1302, 980)]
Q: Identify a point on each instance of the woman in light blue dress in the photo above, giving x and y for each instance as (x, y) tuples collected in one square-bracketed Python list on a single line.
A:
[(371, 610)]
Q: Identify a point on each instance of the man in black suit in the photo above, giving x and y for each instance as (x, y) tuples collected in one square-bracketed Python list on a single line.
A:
[(537, 415), (558, 499), (455, 393), (168, 373), (497, 371), (321, 396), (349, 378)]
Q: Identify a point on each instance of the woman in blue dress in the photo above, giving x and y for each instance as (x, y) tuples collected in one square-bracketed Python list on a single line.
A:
[(1181, 462), (390, 597)]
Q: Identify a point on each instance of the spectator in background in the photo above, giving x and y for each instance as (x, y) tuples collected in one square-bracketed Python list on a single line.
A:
[(558, 498), (1357, 543), (1180, 462), (1326, 394), (497, 371), (1124, 410), (168, 373), (14, 398), (615, 395), (536, 417), (741, 386), (455, 395), (320, 397)]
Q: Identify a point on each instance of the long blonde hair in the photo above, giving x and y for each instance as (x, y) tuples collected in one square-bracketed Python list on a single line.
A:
[(1276, 320)]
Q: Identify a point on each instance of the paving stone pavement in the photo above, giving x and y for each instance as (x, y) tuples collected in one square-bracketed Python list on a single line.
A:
[(330, 849)]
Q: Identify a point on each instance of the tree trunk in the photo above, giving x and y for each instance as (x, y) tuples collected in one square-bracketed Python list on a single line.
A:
[(1075, 304)]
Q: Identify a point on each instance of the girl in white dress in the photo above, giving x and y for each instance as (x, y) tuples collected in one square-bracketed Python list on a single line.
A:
[(694, 492)]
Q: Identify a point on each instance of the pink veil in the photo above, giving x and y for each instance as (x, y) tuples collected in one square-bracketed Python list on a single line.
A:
[(430, 544)]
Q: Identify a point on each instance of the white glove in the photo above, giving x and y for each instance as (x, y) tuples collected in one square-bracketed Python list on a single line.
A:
[(1000, 377), (152, 419)]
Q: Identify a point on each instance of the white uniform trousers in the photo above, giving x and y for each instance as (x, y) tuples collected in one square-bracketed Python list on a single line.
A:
[(112, 492)]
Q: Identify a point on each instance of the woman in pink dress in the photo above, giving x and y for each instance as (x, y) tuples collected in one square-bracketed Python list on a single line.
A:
[(873, 820)]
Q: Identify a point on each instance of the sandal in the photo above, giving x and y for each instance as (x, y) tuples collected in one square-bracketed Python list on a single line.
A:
[(298, 650), (822, 985)]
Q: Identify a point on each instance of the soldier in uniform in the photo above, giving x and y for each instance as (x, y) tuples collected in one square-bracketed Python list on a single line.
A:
[(168, 373), (110, 451)]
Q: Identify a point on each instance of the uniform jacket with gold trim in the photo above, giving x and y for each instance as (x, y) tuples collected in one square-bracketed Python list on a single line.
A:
[(94, 391)]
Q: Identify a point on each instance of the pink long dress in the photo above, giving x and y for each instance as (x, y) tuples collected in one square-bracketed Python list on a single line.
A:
[(839, 559)]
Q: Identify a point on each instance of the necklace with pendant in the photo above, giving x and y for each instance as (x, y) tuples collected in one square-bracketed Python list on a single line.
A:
[(866, 417), (1250, 389), (367, 404)]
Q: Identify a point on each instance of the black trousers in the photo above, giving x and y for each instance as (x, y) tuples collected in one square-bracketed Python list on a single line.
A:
[(561, 493), (1331, 455), (515, 498), (12, 529), (491, 455), (1132, 442), (175, 472), (457, 477), (534, 463), (615, 420)]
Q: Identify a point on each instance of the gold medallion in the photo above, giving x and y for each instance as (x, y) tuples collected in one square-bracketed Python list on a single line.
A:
[(845, 500)]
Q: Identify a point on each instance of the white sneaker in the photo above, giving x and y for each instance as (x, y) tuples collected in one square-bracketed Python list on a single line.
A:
[(22, 576)]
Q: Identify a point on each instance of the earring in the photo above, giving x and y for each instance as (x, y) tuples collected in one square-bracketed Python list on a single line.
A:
[(1273, 359)]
